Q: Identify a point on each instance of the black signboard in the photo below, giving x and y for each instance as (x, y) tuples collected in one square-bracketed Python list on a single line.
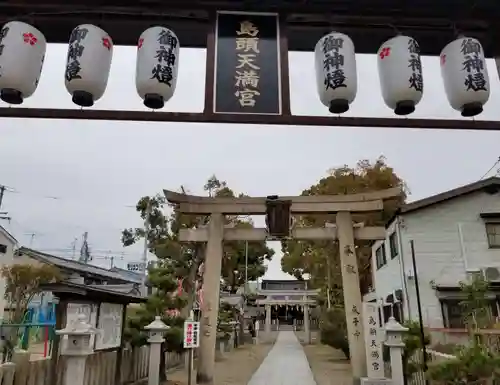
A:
[(247, 64)]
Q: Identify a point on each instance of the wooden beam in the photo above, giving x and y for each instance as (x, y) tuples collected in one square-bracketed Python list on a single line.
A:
[(301, 233), (285, 302), (258, 120), (297, 208), (175, 197)]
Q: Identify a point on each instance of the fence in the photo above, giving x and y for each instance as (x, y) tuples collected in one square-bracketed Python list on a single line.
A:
[(100, 368), (418, 378), (454, 337)]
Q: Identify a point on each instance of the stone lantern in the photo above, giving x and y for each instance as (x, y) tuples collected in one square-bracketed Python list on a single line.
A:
[(156, 330), (77, 349), (394, 340)]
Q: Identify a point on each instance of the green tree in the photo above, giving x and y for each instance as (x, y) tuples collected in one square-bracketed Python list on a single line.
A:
[(22, 283), (185, 258), (475, 306), (321, 258), (161, 303)]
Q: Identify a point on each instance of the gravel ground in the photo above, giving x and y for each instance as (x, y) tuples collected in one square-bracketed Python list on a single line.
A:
[(236, 368), (329, 366)]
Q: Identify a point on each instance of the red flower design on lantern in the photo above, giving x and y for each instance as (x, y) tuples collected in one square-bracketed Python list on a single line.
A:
[(385, 52), (106, 42), (139, 44), (29, 38), (443, 59)]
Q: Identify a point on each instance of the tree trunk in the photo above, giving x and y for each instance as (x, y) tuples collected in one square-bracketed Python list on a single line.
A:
[(191, 279)]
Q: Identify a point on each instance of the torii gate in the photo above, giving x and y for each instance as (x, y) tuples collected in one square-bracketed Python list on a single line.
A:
[(278, 211)]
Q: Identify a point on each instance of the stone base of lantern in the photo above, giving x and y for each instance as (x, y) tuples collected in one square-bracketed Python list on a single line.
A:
[(11, 96), (83, 98), (339, 106), (154, 101)]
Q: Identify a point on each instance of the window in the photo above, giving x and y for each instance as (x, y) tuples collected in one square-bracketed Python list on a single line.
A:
[(393, 245), (453, 313), (3, 249), (393, 310), (398, 312), (387, 311), (493, 234), (380, 256)]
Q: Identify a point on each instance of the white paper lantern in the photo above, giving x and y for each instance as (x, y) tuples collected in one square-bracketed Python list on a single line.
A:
[(22, 51), (157, 66), (465, 75), (336, 76), (400, 73), (87, 67)]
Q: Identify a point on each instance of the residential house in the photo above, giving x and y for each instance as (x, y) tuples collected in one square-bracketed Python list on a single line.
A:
[(455, 235), (117, 280), (92, 275), (7, 246)]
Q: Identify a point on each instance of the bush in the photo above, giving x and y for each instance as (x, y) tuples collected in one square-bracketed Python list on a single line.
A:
[(174, 338), (472, 364), (413, 344), (334, 330)]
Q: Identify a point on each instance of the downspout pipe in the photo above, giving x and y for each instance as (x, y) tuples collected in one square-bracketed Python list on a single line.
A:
[(402, 267)]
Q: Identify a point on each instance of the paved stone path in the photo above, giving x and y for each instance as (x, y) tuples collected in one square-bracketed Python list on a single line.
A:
[(286, 364)]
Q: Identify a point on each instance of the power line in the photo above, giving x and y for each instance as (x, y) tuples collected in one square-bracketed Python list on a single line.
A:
[(491, 169), (55, 197)]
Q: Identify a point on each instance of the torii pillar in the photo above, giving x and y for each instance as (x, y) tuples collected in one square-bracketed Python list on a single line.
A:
[(211, 288), (278, 211)]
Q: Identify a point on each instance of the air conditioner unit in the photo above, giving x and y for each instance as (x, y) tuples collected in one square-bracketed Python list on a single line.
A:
[(491, 274)]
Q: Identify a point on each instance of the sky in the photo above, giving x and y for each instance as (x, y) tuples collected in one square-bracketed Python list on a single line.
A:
[(69, 177)]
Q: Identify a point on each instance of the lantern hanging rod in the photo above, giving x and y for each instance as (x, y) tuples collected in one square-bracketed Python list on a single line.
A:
[(293, 120)]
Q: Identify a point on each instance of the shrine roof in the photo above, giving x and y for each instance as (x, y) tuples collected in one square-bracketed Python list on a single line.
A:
[(72, 292), (368, 22)]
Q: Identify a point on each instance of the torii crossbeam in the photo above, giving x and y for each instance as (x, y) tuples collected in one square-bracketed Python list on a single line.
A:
[(278, 211)]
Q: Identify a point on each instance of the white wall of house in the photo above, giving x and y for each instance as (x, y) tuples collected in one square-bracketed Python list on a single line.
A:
[(6, 258), (449, 237)]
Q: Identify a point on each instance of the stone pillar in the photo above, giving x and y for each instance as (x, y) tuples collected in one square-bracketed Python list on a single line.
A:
[(394, 340), (77, 350), (211, 287), (267, 327), (156, 330), (307, 327), (352, 295)]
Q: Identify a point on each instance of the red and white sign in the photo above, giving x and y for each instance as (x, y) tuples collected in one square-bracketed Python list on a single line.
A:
[(191, 334)]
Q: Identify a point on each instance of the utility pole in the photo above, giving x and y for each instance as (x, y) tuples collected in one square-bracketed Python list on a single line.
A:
[(3, 215), (73, 248), (246, 267), (2, 192), (145, 250), (329, 282), (32, 238), (84, 250)]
